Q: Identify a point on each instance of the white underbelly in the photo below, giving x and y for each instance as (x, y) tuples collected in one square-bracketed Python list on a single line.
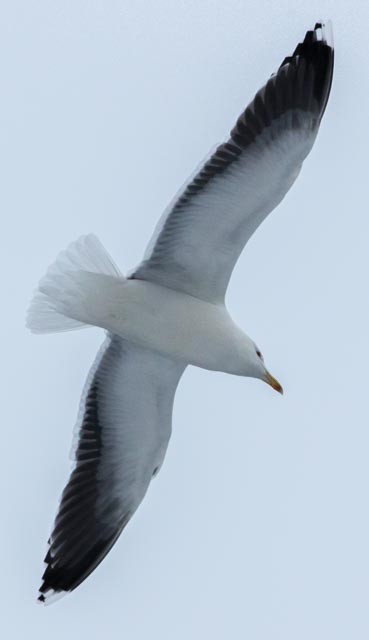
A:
[(175, 324)]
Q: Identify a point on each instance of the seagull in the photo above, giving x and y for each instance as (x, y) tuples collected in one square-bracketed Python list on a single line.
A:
[(170, 311)]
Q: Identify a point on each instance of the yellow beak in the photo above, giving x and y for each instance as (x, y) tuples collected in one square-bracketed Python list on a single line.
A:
[(273, 382)]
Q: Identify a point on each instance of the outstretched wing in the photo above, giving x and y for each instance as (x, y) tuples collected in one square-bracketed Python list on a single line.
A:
[(124, 429), (199, 241)]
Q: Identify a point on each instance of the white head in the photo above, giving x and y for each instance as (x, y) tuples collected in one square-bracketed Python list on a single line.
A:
[(253, 364), (265, 375)]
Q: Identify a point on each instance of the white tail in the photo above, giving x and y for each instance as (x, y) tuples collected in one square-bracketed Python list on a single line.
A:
[(60, 302)]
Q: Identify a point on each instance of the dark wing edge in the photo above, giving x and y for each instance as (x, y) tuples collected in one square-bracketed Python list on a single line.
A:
[(101, 496), (67, 568), (301, 84)]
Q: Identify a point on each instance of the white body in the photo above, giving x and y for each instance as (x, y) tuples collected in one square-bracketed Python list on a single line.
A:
[(172, 323), (171, 311)]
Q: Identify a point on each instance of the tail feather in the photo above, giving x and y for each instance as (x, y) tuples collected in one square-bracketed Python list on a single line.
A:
[(59, 302)]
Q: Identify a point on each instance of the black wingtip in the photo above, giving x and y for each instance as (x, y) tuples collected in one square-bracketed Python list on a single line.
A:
[(63, 577), (321, 35), (301, 85), (48, 595), (319, 38), (310, 37), (317, 50)]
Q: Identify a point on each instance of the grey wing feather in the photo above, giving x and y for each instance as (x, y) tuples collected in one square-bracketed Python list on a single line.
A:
[(245, 179), (123, 433)]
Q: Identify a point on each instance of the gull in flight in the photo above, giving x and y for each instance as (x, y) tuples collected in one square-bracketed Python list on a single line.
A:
[(170, 311)]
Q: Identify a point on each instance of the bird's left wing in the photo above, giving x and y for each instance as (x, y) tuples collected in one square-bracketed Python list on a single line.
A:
[(121, 440), (203, 232)]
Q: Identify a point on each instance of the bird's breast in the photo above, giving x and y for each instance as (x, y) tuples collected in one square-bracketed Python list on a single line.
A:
[(175, 324)]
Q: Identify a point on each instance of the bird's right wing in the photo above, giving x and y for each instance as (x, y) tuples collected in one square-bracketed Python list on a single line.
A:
[(199, 239), (123, 433)]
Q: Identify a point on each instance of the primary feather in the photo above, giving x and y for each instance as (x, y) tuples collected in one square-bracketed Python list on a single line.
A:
[(171, 311), (121, 440), (246, 178)]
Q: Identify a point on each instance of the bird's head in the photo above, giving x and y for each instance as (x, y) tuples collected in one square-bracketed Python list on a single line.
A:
[(260, 371)]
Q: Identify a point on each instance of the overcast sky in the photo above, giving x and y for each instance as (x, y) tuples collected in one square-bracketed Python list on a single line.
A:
[(257, 525)]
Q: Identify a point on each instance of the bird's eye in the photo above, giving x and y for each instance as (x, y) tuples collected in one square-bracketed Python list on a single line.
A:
[(259, 354)]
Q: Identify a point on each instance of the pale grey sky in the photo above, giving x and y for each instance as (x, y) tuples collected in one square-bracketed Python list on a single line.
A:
[(257, 525)]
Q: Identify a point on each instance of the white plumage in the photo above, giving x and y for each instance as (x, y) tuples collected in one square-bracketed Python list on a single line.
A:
[(170, 311)]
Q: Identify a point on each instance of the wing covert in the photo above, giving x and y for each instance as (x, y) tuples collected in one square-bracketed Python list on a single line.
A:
[(123, 433), (245, 179)]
